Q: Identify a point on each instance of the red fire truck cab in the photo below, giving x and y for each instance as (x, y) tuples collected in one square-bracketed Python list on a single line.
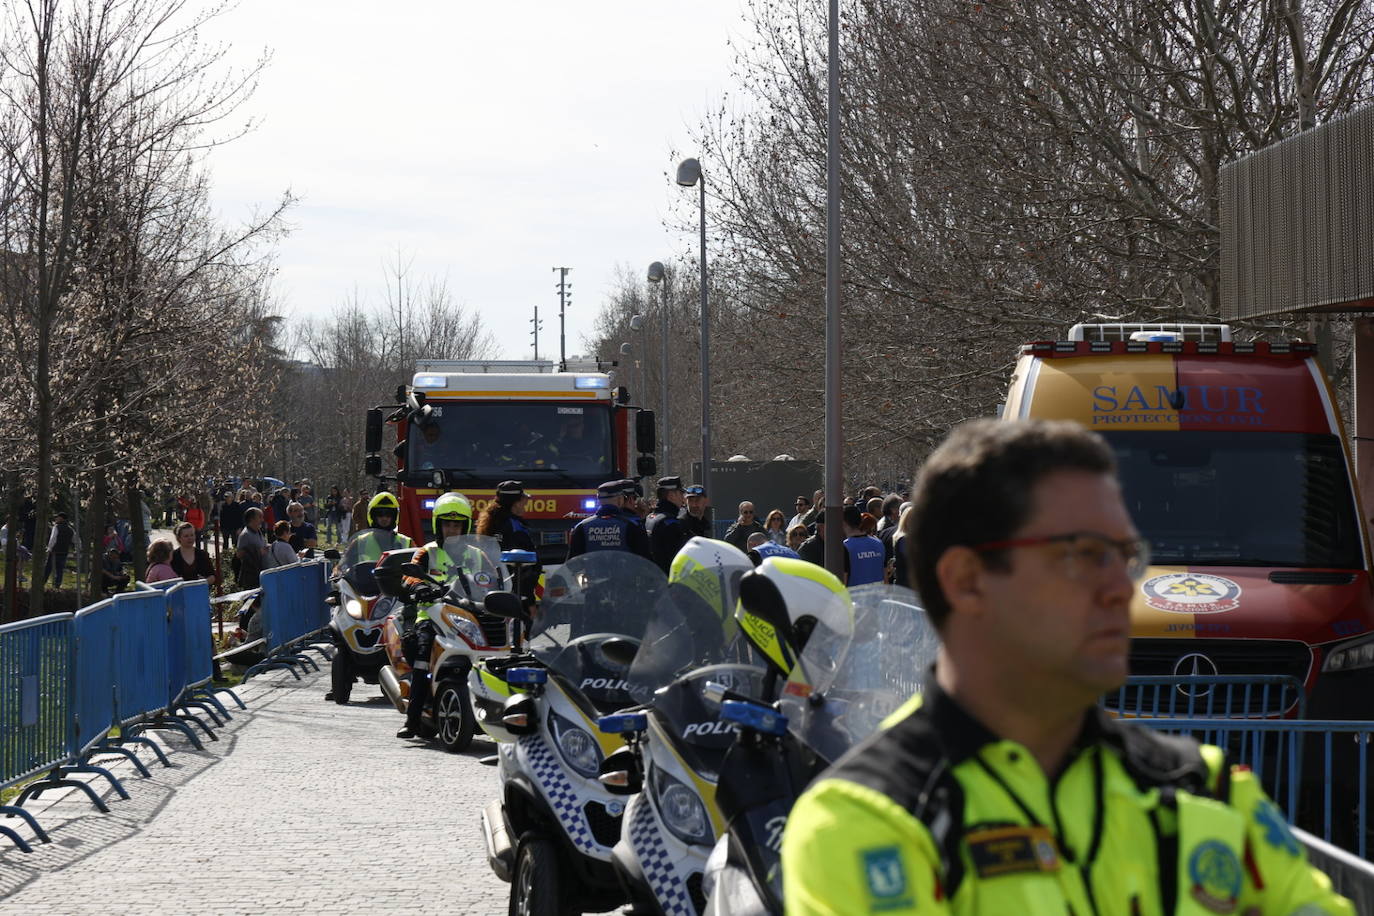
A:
[(468, 425)]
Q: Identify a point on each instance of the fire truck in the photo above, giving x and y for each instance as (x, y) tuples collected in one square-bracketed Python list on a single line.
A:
[(467, 425)]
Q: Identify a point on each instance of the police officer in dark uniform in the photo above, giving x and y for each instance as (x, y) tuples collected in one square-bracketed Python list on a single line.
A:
[(610, 528), (666, 531), (504, 520), (694, 517)]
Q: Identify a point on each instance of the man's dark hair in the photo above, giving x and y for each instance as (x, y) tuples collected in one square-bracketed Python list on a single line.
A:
[(977, 488), (891, 504)]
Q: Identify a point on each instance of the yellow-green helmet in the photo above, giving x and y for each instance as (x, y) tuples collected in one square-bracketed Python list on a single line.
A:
[(712, 569), (383, 501), (799, 592), (452, 507)]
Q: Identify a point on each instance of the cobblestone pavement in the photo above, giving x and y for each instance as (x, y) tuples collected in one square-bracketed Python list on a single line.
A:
[(302, 806)]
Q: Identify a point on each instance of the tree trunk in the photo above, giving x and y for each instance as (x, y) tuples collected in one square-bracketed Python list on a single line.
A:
[(95, 534), (11, 603), (43, 498), (137, 534)]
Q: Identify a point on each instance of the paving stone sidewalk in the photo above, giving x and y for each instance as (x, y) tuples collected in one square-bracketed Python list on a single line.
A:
[(302, 806)]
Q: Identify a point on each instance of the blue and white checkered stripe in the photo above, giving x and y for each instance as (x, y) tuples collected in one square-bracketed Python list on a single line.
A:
[(562, 797), (646, 839)]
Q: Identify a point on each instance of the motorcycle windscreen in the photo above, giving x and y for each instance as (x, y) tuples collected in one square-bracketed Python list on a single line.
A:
[(595, 611), (478, 556), (687, 647), (862, 676)]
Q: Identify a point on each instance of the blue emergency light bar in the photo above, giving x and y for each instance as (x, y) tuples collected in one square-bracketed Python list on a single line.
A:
[(752, 715), (519, 556), (589, 505), (430, 381), (592, 381), (527, 676), (623, 722), (428, 503)]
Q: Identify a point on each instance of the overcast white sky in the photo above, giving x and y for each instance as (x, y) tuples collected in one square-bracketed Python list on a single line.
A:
[(491, 141)]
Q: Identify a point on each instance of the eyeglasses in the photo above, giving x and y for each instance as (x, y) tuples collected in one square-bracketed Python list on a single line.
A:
[(1088, 554)]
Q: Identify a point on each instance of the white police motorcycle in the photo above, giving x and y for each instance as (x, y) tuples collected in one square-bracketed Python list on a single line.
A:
[(676, 747), (841, 687), (551, 832)]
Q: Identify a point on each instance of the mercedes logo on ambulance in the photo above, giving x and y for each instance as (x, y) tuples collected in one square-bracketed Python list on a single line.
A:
[(1195, 664)]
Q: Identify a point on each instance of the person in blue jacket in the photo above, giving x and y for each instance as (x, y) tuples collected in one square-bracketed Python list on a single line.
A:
[(610, 528)]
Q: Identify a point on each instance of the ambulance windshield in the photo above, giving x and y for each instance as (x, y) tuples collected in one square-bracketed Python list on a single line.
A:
[(489, 440), (1240, 498)]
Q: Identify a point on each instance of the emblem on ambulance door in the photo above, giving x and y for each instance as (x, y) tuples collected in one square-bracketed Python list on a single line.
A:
[(1191, 593)]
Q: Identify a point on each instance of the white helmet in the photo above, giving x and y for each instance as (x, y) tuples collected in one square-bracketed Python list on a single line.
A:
[(807, 595), (712, 569)]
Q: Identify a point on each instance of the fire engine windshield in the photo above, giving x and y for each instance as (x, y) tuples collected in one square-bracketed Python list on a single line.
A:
[(496, 439), (1240, 498)]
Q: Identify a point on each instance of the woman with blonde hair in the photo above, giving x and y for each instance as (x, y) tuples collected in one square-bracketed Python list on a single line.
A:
[(775, 526)]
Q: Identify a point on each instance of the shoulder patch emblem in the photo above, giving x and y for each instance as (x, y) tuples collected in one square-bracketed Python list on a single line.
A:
[(1277, 833), (1215, 873), (885, 877)]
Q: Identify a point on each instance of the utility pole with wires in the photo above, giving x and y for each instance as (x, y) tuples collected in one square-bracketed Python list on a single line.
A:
[(538, 326), (564, 300)]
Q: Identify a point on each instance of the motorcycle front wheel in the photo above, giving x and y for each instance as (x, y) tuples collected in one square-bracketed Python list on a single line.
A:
[(453, 716), (535, 887)]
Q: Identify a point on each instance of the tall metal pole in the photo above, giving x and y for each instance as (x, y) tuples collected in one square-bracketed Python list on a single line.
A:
[(705, 356), (536, 333), (562, 317), (663, 374), (834, 425)]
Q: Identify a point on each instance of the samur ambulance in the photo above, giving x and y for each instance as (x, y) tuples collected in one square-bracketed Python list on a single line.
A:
[(1235, 466)]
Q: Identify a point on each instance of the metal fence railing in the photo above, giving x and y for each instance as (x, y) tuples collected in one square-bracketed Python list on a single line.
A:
[(294, 615), (1318, 771), (1206, 697), (76, 685)]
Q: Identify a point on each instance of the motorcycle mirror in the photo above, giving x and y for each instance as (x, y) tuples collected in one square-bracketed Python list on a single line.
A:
[(418, 572), (620, 651), (620, 773), (505, 604)]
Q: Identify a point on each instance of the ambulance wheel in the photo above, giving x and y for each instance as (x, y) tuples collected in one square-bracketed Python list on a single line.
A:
[(535, 887), (340, 677), (453, 716)]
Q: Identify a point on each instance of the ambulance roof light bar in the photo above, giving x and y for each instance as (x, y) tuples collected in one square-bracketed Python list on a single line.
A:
[(1125, 331)]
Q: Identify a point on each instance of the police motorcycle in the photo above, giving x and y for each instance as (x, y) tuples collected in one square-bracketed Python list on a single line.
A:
[(464, 631), (356, 622), (676, 742), (551, 831), (841, 683)]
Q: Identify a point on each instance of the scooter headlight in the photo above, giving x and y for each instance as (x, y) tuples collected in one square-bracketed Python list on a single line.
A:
[(468, 629), (682, 810), (355, 609), (579, 749)]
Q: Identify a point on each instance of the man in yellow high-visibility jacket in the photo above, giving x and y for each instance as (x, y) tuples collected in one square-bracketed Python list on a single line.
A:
[(1002, 789)]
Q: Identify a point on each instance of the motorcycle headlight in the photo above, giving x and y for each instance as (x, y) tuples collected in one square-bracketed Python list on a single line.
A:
[(466, 628), (1358, 653), (354, 607), (579, 749), (681, 809)]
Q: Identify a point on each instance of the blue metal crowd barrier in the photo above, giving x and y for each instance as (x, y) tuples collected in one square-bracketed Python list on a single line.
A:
[(293, 612), (137, 661), (35, 705), (1318, 771), (1208, 696)]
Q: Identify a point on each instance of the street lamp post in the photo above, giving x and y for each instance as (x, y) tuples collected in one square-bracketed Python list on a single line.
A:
[(656, 275), (689, 173), (834, 423)]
